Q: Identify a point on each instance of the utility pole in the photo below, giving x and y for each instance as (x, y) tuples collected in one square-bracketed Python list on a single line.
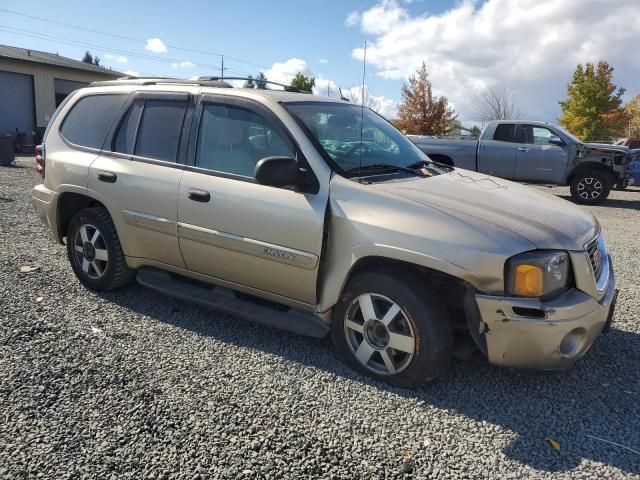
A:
[(222, 66)]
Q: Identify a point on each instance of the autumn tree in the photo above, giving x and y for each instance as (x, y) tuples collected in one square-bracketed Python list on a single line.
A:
[(632, 110), (422, 113), (302, 82), (593, 108)]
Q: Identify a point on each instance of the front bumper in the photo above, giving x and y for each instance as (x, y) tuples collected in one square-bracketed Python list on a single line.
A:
[(552, 335)]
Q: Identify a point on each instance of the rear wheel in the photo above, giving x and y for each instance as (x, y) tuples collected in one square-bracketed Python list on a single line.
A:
[(384, 329), (95, 252), (590, 187)]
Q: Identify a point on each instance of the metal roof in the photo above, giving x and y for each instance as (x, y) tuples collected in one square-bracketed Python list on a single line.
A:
[(35, 56)]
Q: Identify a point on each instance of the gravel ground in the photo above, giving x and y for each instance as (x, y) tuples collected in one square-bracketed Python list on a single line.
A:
[(134, 384)]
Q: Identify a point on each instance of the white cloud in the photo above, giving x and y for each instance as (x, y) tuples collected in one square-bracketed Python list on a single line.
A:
[(323, 60), (532, 46), (385, 106), (352, 19), (116, 58), (182, 64), (283, 72), (155, 45), (132, 73)]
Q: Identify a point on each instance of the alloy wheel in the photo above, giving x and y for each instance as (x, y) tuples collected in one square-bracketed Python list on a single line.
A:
[(379, 334), (90, 251), (590, 188)]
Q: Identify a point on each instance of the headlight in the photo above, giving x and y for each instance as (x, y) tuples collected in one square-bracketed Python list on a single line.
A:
[(537, 274)]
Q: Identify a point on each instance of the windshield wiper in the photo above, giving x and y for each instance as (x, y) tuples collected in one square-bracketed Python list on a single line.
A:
[(381, 168)]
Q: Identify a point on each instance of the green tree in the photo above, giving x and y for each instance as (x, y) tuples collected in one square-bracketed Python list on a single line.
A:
[(249, 83), (593, 107), (422, 113), (302, 82), (88, 58), (632, 110), (261, 82)]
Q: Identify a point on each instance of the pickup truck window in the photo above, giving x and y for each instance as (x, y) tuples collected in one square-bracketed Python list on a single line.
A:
[(335, 127), (232, 140), (509, 132), (537, 135)]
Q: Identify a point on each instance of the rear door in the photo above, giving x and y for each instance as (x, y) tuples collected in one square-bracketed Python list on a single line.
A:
[(538, 160), (497, 156), (233, 228), (137, 175)]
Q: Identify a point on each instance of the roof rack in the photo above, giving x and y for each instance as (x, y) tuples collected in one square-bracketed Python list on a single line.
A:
[(128, 80), (287, 88)]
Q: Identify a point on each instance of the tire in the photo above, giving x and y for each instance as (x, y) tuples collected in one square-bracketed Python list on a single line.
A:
[(421, 324), (95, 252), (590, 187)]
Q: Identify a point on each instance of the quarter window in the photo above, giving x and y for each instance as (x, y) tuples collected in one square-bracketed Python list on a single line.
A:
[(89, 120), (126, 138), (232, 140)]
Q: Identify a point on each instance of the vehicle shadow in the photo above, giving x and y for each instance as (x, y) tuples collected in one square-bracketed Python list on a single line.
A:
[(612, 203), (598, 397)]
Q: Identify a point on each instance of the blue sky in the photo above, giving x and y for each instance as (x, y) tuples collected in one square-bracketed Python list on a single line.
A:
[(529, 46)]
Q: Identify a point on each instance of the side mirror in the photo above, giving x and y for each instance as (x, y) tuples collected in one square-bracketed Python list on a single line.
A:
[(556, 140), (279, 172)]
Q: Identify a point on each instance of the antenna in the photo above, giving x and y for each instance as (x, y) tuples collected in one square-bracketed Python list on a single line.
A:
[(364, 72)]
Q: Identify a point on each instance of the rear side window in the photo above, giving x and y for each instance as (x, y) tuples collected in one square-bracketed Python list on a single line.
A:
[(152, 129), (89, 120), (505, 132)]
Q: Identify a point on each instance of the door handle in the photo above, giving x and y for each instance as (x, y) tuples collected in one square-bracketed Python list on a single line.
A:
[(199, 195), (107, 177), (523, 149)]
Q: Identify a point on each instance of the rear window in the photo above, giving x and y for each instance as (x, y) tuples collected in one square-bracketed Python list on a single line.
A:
[(89, 120), (504, 132), (159, 131)]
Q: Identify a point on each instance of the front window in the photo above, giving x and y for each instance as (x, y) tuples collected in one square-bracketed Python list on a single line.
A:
[(337, 128)]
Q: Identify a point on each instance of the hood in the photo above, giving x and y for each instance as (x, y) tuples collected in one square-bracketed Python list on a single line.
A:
[(605, 147), (545, 220)]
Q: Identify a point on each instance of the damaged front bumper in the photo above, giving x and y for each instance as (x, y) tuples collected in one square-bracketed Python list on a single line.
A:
[(551, 335)]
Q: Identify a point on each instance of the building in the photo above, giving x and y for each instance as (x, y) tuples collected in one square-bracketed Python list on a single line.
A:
[(33, 84)]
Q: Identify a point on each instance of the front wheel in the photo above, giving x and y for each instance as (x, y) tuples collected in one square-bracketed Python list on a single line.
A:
[(95, 252), (590, 187), (392, 328)]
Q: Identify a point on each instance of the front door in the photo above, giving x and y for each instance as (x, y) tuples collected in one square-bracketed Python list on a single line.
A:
[(538, 160), (232, 228)]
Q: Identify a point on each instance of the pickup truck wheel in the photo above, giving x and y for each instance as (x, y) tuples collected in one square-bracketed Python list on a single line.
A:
[(384, 329), (95, 252), (590, 187)]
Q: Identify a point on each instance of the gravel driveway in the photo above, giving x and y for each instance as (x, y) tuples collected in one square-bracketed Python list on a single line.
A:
[(134, 384)]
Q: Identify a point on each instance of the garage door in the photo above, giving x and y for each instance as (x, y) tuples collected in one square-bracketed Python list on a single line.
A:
[(64, 88), (16, 103)]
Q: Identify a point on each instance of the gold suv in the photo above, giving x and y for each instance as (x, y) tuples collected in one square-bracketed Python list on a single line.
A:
[(315, 215)]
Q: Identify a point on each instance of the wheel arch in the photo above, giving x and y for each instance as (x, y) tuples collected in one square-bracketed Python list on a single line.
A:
[(586, 166), (70, 203)]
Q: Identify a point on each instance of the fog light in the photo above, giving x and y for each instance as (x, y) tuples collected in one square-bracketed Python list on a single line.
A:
[(572, 342)]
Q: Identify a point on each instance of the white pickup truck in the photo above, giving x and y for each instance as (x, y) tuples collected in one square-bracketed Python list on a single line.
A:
[(537, 152)]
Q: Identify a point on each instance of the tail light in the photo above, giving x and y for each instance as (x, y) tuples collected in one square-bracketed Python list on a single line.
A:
[(40, 158)]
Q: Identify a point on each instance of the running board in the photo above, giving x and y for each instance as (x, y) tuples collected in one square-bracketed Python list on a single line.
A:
[(224, 300)]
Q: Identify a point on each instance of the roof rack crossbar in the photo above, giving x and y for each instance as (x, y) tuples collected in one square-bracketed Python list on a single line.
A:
[(287, 88)]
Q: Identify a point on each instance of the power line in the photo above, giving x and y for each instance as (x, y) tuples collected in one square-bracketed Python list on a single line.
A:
[(132, 39), (53, 38)]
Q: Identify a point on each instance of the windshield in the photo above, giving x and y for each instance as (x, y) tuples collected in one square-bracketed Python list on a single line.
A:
[(336, 127), (571, 137)]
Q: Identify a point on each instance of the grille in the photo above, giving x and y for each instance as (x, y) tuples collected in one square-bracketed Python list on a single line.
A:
[(595, 256)]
